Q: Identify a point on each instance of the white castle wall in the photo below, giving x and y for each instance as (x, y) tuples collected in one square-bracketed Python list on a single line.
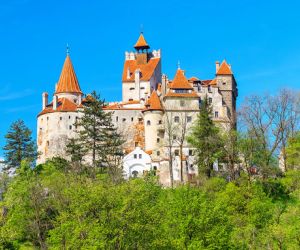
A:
[(54, 129)]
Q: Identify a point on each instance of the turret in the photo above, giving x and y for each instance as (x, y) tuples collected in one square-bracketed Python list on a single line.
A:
[(228, 88), (153, 118)]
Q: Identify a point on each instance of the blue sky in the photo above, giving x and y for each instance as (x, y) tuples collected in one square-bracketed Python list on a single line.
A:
[(260, 39)]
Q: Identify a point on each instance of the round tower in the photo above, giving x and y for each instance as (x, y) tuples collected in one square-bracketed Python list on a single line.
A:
[(153, 122), (56, 121)]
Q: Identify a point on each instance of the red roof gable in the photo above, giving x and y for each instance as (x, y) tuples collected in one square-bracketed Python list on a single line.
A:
[(147, 70), (63, 105)]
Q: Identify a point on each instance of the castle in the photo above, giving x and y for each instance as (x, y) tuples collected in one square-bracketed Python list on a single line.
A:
[(154, 116)]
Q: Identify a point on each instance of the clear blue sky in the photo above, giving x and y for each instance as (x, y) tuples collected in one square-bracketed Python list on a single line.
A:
[(260, 39)]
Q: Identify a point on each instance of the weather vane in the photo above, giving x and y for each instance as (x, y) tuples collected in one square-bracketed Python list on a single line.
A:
[(68, 49), (142, 28)]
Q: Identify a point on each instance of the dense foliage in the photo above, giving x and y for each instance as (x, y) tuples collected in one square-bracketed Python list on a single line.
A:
[(53, 207)]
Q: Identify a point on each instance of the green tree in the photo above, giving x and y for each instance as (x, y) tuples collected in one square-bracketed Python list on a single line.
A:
[(19, 145), (99, 137), (206, 139), (293, 152)]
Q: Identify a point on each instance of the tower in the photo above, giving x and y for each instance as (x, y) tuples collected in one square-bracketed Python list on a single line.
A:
[(228, 88), (55, 123), (141, 72), (153, 119)]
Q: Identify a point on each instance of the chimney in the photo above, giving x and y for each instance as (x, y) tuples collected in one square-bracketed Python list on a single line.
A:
[(54, 102), (217, 66), (79, 99), (128, 73), (137, 76), (45, 100)]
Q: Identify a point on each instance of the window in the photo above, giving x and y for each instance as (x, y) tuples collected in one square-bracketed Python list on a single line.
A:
[(130, 99), (135, 156), (174, 137), (47, 118), (60, 118), (158, 153), (70, 127), (176, 152), (176, 119), (117, 118), (160, 122), (124, 120), (224, 83), (157, 140), (181, 91), (136, 143), (69, 117), (188, 119), (210, 100), (190, 152), (132, 119), (75, 100), (181, 103), (48, 143), (131, 88), (216, 114), (209, 88), (148, 123), (142, 87), (140, 156)]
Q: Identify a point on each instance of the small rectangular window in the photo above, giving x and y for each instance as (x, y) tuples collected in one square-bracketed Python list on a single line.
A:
[(189, 119), (135, 156), (216, 114), (131, 89), (176, 119), (70, 127), (176, 152), (210, 100), (157, 140), (158, 153), (140, 156), (190, 152), (124, 120), (132, 119)]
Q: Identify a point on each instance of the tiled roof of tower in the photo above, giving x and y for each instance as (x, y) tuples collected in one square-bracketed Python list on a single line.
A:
[(180, 81), (68, 82), (147, 70), (224, 69), (63, 105), (141, 43), (153, 102)]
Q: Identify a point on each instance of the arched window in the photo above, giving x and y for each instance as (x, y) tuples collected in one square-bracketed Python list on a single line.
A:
[(148, 123)]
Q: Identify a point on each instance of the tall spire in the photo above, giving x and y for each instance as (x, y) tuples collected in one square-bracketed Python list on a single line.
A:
[(141, 43), (68, 82)]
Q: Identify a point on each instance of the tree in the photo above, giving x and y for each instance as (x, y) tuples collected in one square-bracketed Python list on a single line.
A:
[(272, 120), (231, 152), (206, 140), (19, 145), (170, 131), (293, 152), (98, 136)]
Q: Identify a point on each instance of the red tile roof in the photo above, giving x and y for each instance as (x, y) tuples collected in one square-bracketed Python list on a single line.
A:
[(63, 105), (147, 70), (141, 43), (188, 95), (153, 102), (180, 81), (193, 78), (224, 69), (68, 82)]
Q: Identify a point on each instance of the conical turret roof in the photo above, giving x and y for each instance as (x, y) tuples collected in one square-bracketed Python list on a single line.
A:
[(153, 102), (141, 43), (68, 82)]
